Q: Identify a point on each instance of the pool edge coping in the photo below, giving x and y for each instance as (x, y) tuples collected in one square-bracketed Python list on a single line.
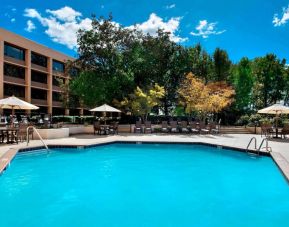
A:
[(278, 159)]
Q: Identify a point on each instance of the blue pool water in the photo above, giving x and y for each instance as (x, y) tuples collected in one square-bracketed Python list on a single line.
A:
[(135, 185)]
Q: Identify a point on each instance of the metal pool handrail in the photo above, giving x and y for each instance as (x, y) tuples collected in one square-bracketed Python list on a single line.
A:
[(251, 140), (27, 136), (267, 147)]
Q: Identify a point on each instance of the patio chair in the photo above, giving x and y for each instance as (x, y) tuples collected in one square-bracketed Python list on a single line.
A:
[(184, 127), (148, 127), (205, 129), (2, 137), (285, 130), (98, 128), (194, 127), (165, 126), (113, 128), (266, 130), (138, 127), (174, 126), (22, 133)]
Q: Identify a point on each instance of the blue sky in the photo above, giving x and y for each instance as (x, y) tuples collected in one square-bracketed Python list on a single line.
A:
[(244, 28)]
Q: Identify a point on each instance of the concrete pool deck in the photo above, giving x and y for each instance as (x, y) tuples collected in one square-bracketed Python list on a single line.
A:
[(280, 148)]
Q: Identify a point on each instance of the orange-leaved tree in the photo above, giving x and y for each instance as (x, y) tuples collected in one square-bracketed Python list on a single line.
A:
[(213, 97)]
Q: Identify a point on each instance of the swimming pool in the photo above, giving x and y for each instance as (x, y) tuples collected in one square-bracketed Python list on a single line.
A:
[(143, 185)]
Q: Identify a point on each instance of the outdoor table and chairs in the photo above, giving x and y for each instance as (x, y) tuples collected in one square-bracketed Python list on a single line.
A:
[(9, 134)]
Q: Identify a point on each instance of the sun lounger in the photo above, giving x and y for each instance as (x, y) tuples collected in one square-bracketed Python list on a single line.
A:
[(194, 127), (148, 127), (138, 127), (165, 127), (184, 127), (174, 126)]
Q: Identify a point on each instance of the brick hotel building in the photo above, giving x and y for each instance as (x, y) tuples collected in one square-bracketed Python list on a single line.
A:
[(32, 72)]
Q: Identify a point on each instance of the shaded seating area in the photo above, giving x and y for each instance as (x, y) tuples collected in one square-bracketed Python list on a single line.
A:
[(285, 131), (105, 129)]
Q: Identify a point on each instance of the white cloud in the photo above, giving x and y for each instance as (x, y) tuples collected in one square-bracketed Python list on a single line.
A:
[(205, 29), (171, 6), (155, 22), (13, 20), (61, 25), (30, 26), (65, 14), (283, 20)]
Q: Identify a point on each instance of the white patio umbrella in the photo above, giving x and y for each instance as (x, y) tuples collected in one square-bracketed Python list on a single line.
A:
[(276, 109), (16, 103), (105, 108)]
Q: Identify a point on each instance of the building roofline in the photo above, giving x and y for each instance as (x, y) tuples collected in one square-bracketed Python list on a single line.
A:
[(26, 43)]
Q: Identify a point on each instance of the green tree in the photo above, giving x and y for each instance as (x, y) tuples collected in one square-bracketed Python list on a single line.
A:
[(222, 65), (269, 78), (104, 75), (243, 82), (200, 63)]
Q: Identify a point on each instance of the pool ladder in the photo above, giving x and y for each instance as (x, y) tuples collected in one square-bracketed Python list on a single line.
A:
[(253, 139), (34, 129)]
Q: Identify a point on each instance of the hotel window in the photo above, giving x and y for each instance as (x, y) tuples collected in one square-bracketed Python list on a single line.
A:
[(58, 66), (18, 91), (14, 52), (38, 94), (39, 77), (38, 59), (14, 71)]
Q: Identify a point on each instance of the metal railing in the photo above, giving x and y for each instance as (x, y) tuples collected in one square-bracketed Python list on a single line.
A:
[(251, 140), (34, 129), (267, 147)]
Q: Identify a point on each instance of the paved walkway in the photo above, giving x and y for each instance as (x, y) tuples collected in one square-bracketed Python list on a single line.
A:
[(280, 148)]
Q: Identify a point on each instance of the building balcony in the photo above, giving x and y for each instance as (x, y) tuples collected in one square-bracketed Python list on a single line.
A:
[(14, 61), (39, 68), (14, 80), (56, 88), (39, 85), (39, 102), (57, 104)]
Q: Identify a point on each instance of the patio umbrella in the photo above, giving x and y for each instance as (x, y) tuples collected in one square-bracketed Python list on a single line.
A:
[(275, 109), (16, 103), (105, 108)]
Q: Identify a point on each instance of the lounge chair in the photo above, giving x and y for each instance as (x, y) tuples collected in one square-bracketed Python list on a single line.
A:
[(194, 127), (205, 129), (184, 127), (285, 130), (215, 129), (138, 127), (148, 127), (174, 126), (165, 127)]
